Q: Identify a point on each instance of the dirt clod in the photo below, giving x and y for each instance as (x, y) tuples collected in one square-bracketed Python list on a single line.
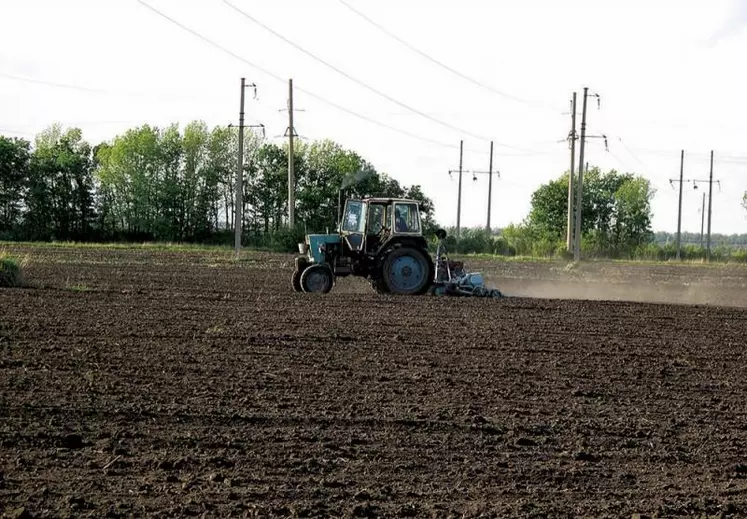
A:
[(72, 441)]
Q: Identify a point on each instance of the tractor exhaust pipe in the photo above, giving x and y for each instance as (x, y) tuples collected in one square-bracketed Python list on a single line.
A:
[(339, 206)]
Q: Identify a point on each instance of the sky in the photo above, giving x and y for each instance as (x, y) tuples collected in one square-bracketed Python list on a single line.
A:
[(670, 75)]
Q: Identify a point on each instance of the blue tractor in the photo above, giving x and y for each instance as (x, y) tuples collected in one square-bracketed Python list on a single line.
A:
[(381, 239)]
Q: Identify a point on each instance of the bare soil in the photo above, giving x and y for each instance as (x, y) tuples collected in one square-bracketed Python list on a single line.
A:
[(137, 382)]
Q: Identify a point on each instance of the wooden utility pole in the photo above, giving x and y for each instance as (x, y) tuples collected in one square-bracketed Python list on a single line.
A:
[(569, 236), (710, 210), (240, 175), (580, 187), (459, 194), (490, 185), (679, 211), (291, 172)]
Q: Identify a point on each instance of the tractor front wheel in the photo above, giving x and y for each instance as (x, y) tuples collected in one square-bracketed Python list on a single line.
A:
[(296, 280), (407, 271), (317, 278)]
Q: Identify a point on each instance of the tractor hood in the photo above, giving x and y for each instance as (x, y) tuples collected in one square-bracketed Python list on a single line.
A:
[(314, 242)]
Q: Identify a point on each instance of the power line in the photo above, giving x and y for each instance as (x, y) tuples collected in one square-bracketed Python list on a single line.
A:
[(90, 90), (53, 84), (363, 83), (440, 63), (305, 91), (727, 159), (15, 132)]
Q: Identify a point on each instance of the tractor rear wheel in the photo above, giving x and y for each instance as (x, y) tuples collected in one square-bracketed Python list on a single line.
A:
[(317, 278), (407, 271), (379, 286)]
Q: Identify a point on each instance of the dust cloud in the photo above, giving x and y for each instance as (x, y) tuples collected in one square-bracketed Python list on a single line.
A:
[(682, 284)]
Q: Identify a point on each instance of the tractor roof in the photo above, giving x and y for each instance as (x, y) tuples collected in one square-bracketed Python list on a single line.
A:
[(390, 200)]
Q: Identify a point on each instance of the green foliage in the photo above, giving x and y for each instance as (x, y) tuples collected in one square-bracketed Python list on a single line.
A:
[(525, 241), (513, 241), (15, 156), (175, 185), (727, 240), (11, 274), (58, 191), (616, 213)]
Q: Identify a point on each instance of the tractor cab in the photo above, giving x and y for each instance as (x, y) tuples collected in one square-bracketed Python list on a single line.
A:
[(369, 223)]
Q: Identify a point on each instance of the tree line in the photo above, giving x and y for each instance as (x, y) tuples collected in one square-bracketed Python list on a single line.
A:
[(178, 185), (167, 184)]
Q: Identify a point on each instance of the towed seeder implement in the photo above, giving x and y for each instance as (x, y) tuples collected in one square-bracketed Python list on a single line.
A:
[(381, 239)]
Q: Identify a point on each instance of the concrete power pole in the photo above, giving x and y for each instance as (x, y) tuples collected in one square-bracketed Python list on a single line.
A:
[(702, 220), (580, 187), (569, 237), (291, 165), (710, 210), (240, 175), (459, 195), (490, 185), (679, 211)]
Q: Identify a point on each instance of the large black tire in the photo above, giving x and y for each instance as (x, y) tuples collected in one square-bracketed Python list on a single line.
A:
[(296, 280), (379, 286), (407, 271), (317, 278)]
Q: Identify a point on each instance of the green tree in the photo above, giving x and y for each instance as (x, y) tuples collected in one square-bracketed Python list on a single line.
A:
[(632, 221), (268, 188), (548, 208), (134, 181), (15, 155), (218, 176), (326, 166), (616, 210), (59, 196)]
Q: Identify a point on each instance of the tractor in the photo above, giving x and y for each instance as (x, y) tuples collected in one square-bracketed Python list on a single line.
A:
[(381, 239)]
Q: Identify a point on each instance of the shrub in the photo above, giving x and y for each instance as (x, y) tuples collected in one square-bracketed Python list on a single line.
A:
[(10, 272)]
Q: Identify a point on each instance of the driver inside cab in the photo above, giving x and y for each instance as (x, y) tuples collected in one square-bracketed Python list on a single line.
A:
[(400, 221)]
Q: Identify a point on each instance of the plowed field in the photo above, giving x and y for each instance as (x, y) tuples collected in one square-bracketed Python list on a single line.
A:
[(138, 382)]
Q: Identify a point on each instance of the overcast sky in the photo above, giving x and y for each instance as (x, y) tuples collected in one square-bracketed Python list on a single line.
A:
[(670, 73)]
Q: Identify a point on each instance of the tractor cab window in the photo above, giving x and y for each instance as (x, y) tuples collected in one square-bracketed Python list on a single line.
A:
[(406, 218), (354, 218), (377, 218)]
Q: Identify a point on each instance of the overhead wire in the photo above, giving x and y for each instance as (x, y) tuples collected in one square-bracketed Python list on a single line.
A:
[(90, 90), (300, 89), (15, 77), (442, 64), (308, 92), (364, 84)]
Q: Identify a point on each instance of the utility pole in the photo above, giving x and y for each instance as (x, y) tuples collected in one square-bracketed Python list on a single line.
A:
[(459, 199), (291, 173), (710, 210), (239, 195), (580, 188), (489, 173), (490, 185), (572, 137), (702, 220), (679, 212), (240, 176)]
